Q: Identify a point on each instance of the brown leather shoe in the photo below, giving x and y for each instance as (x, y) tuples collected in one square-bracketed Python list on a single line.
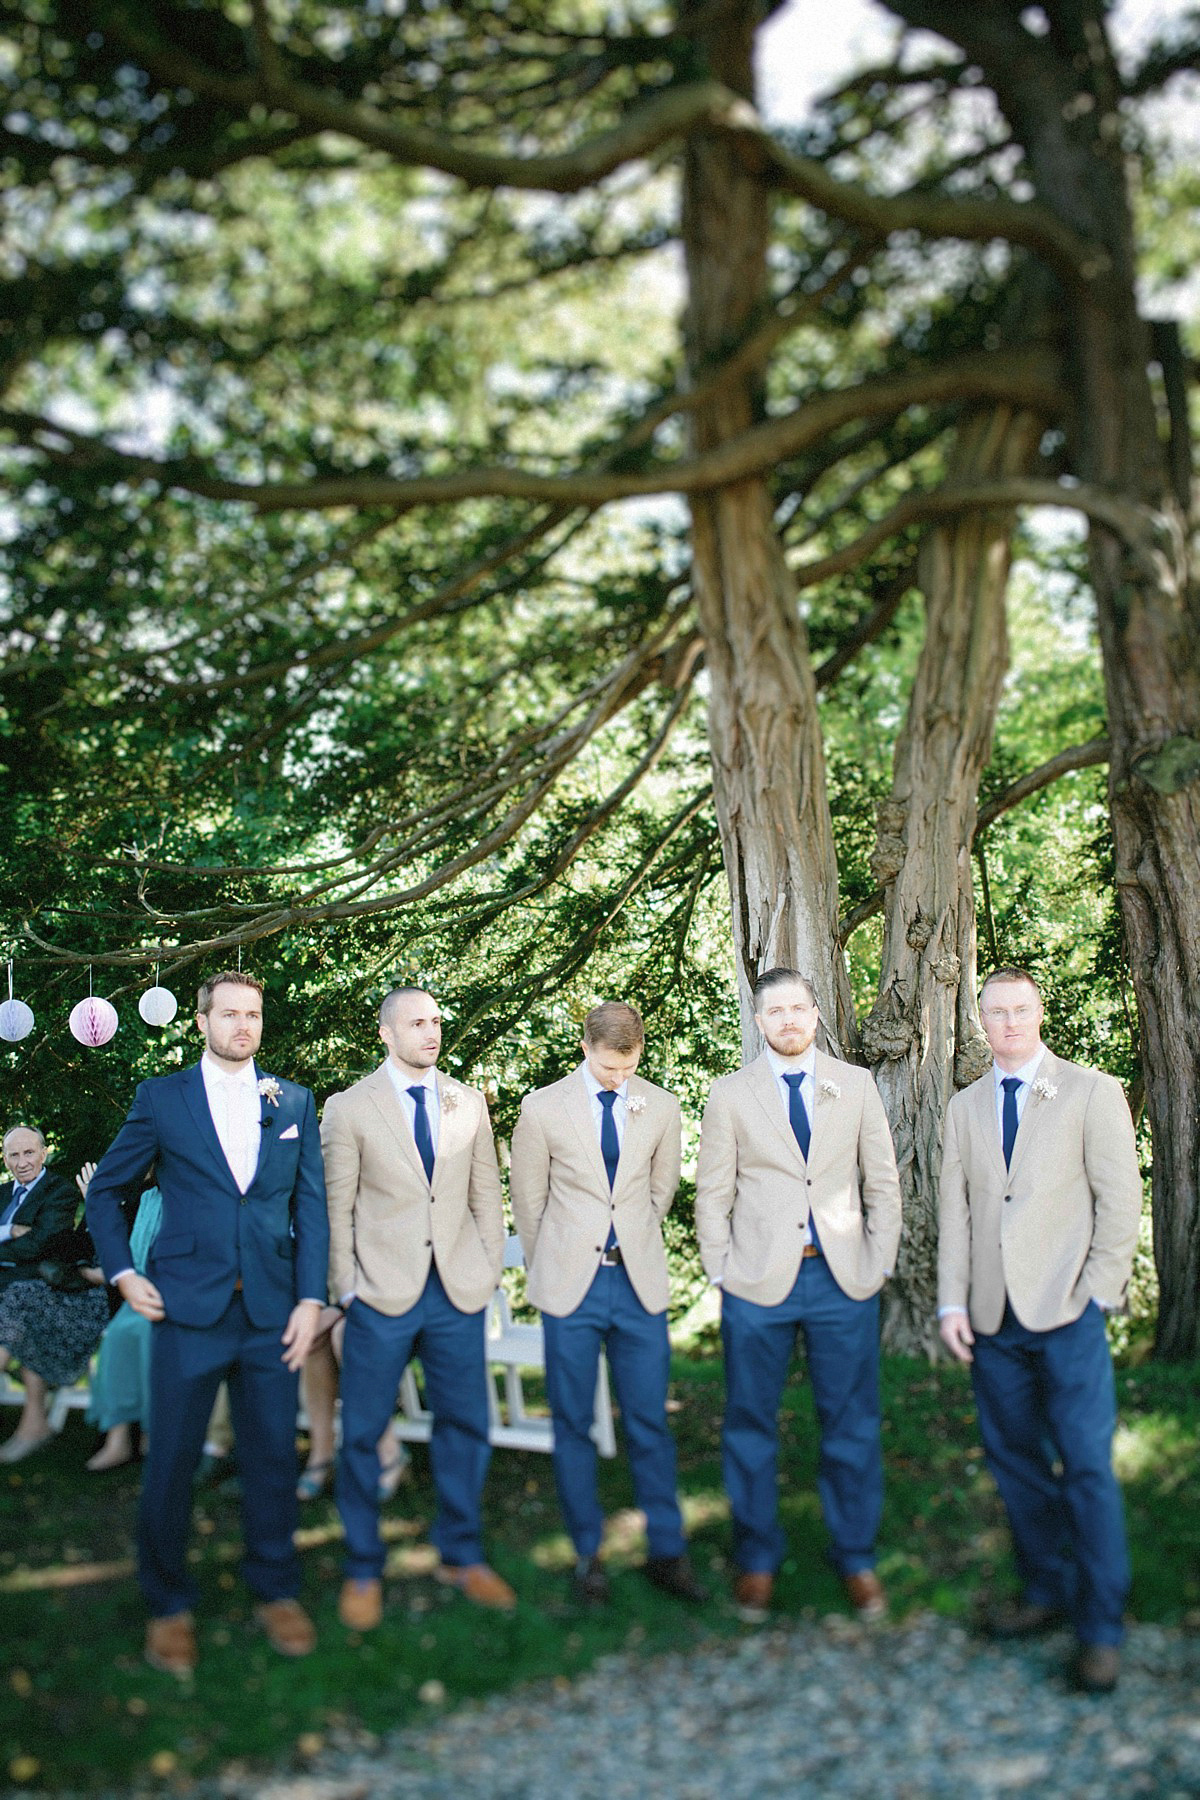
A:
[(865, 1594), (171, 1644), (1020, 1619), (360, 1604), (752, 1591), (1097, 1667), (288, 1627), (479, 1583)]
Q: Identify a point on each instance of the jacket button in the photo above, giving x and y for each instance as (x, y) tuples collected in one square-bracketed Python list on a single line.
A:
[(599, 1250), (1007, 1198), (808, 1182), (429, 1243)]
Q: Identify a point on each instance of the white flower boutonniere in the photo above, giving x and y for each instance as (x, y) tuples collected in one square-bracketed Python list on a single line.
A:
[(636, 1104), (831, 1090), (1043, 1089), (449, 1100), (270, 1089)]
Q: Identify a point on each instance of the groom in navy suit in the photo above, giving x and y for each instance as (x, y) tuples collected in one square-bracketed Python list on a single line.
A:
[(234, 1285)]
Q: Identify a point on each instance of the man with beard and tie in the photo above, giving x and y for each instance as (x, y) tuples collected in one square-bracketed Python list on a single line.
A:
[(1039, 1204), (798, 1219), (417, 1245), (595, 1166), (234, 1285)]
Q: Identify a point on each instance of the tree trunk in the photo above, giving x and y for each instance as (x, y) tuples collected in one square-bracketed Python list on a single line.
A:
[(927, 1001), (1061, 93), (1148, 604), (764, 729)]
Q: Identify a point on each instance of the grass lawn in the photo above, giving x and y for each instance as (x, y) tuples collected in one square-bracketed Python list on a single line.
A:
[(79, 1707)]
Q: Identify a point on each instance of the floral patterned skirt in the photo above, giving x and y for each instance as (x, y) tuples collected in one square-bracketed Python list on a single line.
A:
[(51, 1332)]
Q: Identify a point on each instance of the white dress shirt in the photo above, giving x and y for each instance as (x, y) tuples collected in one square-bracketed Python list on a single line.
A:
[(433, 1110), (236, 1108), (620, 1110), (1025, 1075)]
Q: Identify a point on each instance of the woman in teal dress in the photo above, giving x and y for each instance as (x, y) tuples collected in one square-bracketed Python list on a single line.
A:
[(120, 1386)]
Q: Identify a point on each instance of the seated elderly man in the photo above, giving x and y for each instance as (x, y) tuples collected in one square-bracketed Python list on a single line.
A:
[(46, 1329)]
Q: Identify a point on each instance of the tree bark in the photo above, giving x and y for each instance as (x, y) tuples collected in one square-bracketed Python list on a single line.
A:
[(764, 731), (923, 1037)]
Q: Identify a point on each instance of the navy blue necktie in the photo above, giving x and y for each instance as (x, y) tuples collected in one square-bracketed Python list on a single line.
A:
[(14, 1206), (1009, 1120), (797, 1113), (421, 1130), (610, 1146)]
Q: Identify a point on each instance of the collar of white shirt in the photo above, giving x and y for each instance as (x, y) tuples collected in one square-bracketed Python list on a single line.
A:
[(595, 1087), (212, 1072), (795, 1065), (1025, 1073), (402, 1082)]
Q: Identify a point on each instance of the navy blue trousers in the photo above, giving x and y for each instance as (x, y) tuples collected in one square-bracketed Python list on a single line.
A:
[(187, 1365), (1047, 1410), (611, 1316), (841, 1341), (376, 1351)]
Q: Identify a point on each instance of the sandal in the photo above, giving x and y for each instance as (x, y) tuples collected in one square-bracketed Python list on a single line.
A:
[(391, 1474), (311, 1484)]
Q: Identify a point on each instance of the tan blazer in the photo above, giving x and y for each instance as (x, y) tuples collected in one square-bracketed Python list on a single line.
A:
[(1056, 1229), (386, 1222), (754, 1191), (561, 1202)]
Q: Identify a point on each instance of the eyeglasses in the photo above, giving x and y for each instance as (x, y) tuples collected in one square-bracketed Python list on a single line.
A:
[(1020, 1015)]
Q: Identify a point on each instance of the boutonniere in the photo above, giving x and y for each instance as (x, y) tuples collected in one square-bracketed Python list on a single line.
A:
[(270, 1090), (831, 1090), (449, 1099), (1044, 1090), (636, 1104)]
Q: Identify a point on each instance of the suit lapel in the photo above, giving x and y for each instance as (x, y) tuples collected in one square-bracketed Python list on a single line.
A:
[(638, 1134), (985, 1121), (579, 1111), (196, 1100), (1033, 1115), (452, 1121), (824, 1118), (387, 1103), (760, 1079)]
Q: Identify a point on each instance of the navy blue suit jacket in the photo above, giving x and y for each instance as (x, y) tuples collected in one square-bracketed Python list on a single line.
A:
[(274, 1238)]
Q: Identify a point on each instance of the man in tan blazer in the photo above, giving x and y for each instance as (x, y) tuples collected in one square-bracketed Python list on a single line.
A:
[(595, 1166), (416, 1217), (1038, 1219), (798, 1218)]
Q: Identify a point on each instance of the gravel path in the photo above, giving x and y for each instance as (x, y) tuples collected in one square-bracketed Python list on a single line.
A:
[(909, 1712)]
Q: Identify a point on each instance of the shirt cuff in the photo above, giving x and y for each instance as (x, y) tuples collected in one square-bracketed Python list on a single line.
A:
[(113, 1279), (944, 1312)]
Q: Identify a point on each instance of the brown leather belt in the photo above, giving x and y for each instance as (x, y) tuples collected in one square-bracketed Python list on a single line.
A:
[(612, 1259), (810, 1250)]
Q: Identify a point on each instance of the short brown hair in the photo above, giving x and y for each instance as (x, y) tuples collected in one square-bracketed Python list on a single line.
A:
[(236, 977), (779, 978), (615, 1025), (1010, 974)]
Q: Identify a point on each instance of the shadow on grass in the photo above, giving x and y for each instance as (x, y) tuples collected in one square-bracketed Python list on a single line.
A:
[(79, 1708)]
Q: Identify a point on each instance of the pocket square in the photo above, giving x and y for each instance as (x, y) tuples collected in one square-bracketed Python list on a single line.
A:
[(292, 1131)]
